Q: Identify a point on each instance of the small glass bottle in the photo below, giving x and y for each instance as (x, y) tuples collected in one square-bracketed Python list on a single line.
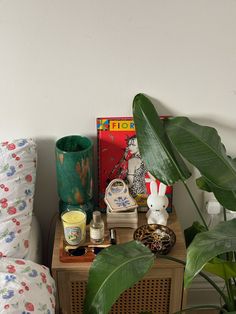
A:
[(97, 228)]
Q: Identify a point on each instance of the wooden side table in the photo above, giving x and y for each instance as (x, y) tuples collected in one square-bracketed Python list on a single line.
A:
[(160, 291)]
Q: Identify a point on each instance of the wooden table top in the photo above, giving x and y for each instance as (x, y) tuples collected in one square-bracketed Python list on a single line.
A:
[(123, 235)]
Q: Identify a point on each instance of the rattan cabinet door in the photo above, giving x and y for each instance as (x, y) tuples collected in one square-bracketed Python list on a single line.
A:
[(148, 295), (160, 292), (71, 292)]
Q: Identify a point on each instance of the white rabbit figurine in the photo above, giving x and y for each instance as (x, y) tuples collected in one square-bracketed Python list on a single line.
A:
[(157, 204)]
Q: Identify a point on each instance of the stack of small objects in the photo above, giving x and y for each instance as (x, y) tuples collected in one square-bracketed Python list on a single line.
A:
[(121, 206)]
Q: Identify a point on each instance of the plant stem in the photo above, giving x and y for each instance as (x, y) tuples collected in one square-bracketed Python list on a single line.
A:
[(200, 273), (228, 283), (208, 306), (195, 204), (230, 303), (224, 213)]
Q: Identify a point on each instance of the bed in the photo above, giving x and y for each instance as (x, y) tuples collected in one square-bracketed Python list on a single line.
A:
[(35, 245), (26, 286)]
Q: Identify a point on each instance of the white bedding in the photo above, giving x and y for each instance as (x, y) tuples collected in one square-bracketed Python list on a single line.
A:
[(26, 287), (35, 242), (17, 184)]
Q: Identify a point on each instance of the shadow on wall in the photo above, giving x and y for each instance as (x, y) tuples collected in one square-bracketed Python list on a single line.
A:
[(213, 120), (162, 108), (46, 199), (95, 166)]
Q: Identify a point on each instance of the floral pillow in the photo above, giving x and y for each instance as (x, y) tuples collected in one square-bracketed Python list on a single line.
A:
[(17, 182), (26, 287)]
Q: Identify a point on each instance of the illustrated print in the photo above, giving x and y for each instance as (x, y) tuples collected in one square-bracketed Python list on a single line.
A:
[(119, 158), (131, 168)]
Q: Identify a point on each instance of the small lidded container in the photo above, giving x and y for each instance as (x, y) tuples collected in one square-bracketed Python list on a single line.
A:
[(74, 225)]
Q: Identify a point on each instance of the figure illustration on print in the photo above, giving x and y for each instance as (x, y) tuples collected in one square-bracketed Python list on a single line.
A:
[(131, 168)]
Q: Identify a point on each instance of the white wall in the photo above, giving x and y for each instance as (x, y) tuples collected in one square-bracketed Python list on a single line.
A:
[(64, 63)]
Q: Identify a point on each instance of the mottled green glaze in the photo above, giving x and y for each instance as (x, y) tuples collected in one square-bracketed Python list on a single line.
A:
[(74, 166)]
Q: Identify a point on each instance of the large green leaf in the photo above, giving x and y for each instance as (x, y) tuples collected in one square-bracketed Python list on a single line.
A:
[(114, 270), (190, 232), (202, 147), (203, 184), (207, 245), (161, 159), (226, 198), (222, 268)]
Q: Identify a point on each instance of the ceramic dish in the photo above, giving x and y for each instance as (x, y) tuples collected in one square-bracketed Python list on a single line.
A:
[(160, 239)]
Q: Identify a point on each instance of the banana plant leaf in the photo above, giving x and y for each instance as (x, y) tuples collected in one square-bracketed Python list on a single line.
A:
[(207, 245), (190, 232), (202, 147), (204, 184), (226, 198), (222, 268), (161, 159), (114, 270)]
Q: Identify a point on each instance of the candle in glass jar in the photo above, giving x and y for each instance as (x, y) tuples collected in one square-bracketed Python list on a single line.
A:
[(74, 224)]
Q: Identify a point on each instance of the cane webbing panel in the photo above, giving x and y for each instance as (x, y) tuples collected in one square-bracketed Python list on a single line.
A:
[(78, 289), (152, 295), (148, 295)]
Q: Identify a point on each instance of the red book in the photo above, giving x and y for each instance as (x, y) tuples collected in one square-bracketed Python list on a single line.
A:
[(118, 157)]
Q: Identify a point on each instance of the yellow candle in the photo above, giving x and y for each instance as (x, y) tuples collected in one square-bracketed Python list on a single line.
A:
[(74, 224)]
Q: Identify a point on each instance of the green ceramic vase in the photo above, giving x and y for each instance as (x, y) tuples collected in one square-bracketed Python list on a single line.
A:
[(74, 167)]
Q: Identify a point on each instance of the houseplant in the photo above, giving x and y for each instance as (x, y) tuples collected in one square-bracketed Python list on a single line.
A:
[(162, 145)]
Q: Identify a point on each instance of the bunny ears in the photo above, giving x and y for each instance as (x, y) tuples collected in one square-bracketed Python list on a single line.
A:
[(153, 185), (153, 188)]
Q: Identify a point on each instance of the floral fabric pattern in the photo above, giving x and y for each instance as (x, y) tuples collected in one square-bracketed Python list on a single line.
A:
[(26, 287), (17, 182)]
